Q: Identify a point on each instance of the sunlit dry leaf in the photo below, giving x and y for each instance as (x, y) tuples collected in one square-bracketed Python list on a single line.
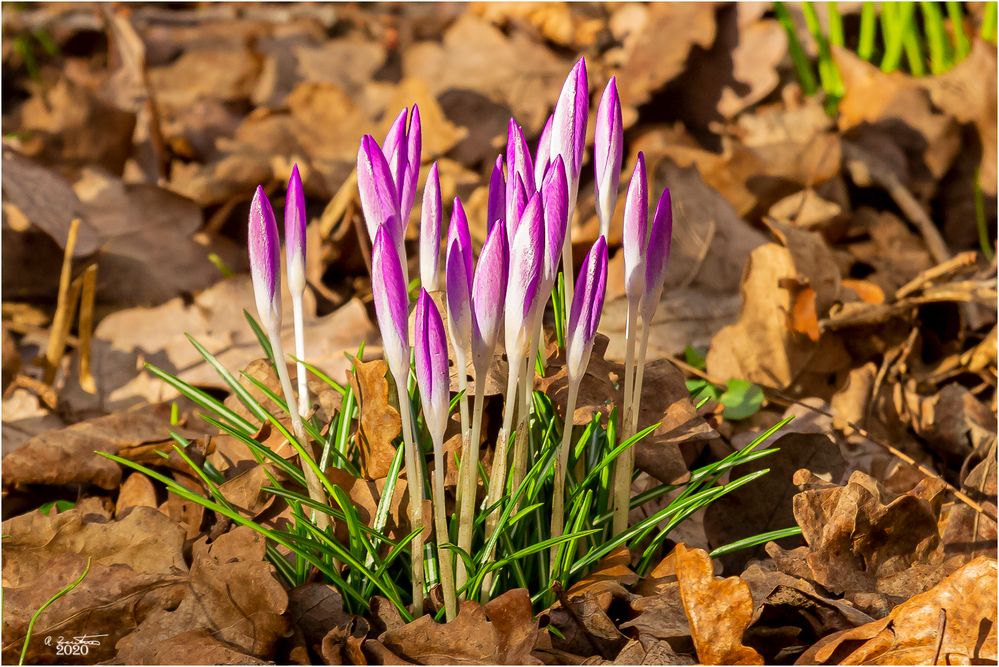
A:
[(962, 607), (501, 632), (380, 424), (897, 537), (719, 610)]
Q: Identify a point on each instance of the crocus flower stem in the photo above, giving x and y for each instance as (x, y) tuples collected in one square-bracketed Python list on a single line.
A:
[(625, 463), (414, 473), (587, 306), (445, 557), (568, 281), (304, 402), (520, 443), (636, 399), (497, 478), (314, 486), (467, 476), (561, 464)]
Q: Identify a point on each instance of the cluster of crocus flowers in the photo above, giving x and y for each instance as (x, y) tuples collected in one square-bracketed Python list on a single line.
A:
[(501, 294)]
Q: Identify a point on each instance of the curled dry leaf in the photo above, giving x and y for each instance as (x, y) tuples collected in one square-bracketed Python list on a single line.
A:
[(860, 539), (501, 632), (67, 456), (380, 423), (719, 610), (764, 345), (315, 609), (952, 623)]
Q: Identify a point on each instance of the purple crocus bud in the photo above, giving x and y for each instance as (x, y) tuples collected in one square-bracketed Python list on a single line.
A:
[(432, 375), (636, 232), (516, 212), (496, 206), (379, 202), (657, 255), (294, 232), (430, 230), (458, 284), (402, 149), (394, 148), (608, 144), (587, 305), (555, 202), (458, 229), (414, 150), (568, 134), (265, 259), (488, 296), (519, 166), (542, 156), (388, 286), (526, 274)]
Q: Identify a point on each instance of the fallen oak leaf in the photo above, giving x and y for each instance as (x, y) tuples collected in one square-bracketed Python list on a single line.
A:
[(719, 610), (232, 593), (501, 632), (66, 456), (379, 423), (913, 632)]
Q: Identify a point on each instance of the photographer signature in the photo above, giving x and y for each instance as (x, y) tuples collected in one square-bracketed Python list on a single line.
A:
[(79, 645)]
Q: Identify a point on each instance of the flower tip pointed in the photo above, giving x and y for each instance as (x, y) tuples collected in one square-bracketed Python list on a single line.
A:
[(265, 260)]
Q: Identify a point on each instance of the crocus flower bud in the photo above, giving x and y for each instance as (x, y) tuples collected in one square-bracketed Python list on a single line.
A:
[(496, 205), (542, 156), (555, 202), (294, 232), (587, 305), (523, 288), (265, 260), (519, 166), (432, 375), (458, 229), (414, 151), (636, 232), (608, 144), (430, 230), (379, 201), (388, 286), (488, 295), (568, 134), (402, 149), (394, 149), (459, 286), (516, 211), (657, 255)]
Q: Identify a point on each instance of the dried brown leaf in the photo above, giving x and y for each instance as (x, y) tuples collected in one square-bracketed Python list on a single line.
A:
[(952, 623), (719, 610)]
